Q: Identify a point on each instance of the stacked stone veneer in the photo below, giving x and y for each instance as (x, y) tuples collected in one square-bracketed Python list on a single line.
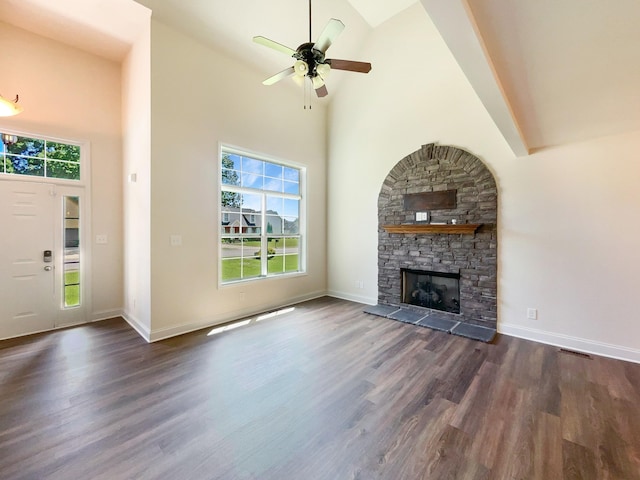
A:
[(474, 257)]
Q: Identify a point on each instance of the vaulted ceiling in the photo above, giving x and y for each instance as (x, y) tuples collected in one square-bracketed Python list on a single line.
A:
[(548, 72), (569, 70)]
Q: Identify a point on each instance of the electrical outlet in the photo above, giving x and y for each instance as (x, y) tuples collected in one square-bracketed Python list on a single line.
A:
[(176, 240), (101, 239), (532, 313)]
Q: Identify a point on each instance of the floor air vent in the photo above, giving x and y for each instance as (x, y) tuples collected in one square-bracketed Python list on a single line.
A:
[(573, 352)]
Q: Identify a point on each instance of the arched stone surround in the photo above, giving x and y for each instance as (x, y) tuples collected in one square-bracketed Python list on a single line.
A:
[(474, 257)]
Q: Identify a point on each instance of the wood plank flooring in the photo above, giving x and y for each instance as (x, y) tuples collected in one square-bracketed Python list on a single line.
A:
[(325, 392)]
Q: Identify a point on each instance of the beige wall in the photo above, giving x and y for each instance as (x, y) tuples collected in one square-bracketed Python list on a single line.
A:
[(136, 120), (567, 215), (199, 100), (569, 245), (72, 95), (415, 94)]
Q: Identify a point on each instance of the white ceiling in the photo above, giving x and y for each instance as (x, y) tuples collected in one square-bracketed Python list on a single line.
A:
[(230, 27), (548, 72), (376, 12), (94, 26), (570, 69)]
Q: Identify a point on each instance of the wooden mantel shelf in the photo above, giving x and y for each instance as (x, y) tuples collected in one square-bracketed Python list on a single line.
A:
[(463, 229)]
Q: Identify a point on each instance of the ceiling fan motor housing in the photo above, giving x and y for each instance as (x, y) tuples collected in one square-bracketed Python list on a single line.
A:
[(311, 56)]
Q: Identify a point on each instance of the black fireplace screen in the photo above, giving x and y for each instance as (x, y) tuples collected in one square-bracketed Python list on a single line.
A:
[(440, 291)]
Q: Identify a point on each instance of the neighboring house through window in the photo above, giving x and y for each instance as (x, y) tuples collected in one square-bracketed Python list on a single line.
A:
[(260, 233)]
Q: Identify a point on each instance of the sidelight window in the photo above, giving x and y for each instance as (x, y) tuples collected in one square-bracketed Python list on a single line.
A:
[(71, 260)]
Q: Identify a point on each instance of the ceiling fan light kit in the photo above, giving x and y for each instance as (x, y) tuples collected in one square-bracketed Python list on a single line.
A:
[(310, 58), (301, 68), (317, 82), (323, 70)]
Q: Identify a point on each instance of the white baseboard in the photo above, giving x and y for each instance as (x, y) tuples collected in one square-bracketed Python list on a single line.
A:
[(174, 331), (353, 298), (138, 326), (571, 343), (105, 315)]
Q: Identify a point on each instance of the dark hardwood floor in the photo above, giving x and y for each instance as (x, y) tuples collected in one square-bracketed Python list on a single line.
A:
[(325, 392)]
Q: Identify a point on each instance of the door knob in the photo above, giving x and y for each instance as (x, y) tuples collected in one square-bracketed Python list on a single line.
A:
[(47, 268)]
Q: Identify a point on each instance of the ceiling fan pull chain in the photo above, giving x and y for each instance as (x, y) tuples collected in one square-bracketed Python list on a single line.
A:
[(304, 94)]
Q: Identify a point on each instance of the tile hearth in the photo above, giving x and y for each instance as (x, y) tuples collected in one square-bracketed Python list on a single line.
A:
[(433, 320)]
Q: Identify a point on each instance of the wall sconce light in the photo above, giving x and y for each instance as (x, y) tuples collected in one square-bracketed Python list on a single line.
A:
[(8, 107)]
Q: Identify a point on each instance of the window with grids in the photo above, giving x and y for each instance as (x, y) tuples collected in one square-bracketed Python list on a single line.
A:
[(38, 157), (260, 220)]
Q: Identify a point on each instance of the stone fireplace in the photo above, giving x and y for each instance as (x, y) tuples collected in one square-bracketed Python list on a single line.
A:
[(448, 265)]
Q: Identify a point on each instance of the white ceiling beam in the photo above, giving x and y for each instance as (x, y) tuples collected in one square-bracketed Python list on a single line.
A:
[(455, 23)]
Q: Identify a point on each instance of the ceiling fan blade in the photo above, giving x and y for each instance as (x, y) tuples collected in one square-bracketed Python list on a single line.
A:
[(322, 91), (361, 67), (329, 34), (279, 76), (274, 45)]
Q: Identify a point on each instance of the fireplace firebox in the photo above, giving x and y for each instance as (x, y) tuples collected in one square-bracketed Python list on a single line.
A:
[(435, 290)]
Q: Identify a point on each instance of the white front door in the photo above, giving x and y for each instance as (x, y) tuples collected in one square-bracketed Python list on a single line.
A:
[(33, 264)]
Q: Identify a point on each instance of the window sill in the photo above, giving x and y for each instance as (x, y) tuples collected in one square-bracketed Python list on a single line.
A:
[(262, 279)]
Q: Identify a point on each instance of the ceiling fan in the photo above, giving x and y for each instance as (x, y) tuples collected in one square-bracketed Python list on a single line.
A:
[(310, 58)]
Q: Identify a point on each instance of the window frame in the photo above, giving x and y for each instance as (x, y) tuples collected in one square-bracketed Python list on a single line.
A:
[(264, 234), (83, 162), (80, 254)]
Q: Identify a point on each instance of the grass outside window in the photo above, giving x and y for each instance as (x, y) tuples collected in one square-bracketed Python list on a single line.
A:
[(72, 289)]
